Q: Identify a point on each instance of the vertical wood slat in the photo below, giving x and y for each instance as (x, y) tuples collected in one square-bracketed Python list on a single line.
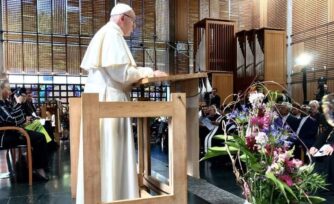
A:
[(141, 149), (75, 113), (147, 148), (179, 141), (91, 144)]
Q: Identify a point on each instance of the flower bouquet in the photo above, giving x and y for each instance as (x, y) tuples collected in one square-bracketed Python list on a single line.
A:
[(264, 164)]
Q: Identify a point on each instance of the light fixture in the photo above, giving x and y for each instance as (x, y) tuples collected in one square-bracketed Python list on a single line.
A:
[(304, 59)]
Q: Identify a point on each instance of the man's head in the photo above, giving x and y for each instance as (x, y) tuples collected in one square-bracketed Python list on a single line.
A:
[(314, 105), (295, 110), (284, 108), (124, 16)]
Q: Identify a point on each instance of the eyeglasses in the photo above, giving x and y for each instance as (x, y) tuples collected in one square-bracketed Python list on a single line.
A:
[(131, 18)]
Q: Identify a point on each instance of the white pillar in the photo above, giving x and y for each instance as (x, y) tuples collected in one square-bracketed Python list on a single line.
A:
[(1, 42), (289, 59)]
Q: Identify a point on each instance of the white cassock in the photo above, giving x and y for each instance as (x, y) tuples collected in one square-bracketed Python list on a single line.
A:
[(112, 70)]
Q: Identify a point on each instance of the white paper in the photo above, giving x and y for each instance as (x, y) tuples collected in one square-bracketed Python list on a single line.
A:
[(42, 121), (207, 123), (321, 151)]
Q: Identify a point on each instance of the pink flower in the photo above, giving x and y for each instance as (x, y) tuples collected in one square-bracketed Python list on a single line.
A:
[(298, 163), (286, 179), (250, 142), (293, 164), (261, 121), (269, 149)]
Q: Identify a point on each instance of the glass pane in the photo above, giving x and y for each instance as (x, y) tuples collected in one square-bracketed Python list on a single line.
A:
[(77, 93), (31, 79), (159, 149), (46, 79), (34, 93), (14, 79), (73, 80), (83, 80), (59, 79), (42, 94), (42, 100)]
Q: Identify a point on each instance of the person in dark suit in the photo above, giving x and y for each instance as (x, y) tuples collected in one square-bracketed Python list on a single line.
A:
[(325, 164), (307, 130), (288, 119), (213, 98)]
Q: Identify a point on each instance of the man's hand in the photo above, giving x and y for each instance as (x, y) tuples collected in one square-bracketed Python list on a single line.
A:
[(313, 150), (158, 73)]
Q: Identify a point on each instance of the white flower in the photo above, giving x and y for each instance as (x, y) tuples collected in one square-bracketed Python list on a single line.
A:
[(307, 168), (261, 138), (275, 168), (256, 99)]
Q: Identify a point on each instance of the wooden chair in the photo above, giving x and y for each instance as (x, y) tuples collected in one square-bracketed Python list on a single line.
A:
[(28, 146)]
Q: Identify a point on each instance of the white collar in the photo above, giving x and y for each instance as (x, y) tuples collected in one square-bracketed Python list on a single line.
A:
[(284, 118)]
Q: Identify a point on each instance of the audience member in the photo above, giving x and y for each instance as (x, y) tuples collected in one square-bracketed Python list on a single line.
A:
[(12, 115), (214, 98)]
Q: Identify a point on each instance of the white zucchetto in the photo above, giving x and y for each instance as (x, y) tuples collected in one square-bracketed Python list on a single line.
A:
[(120, 8)]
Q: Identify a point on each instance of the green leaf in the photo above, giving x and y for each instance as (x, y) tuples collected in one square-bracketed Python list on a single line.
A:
[(313, 199), (277, 183)]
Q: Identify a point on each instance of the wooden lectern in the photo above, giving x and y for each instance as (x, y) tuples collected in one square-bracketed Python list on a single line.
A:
[(187, 83), (183, 140)]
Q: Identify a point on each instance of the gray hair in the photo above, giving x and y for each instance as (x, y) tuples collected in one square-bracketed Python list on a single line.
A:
[(314, 102), (3, 82)]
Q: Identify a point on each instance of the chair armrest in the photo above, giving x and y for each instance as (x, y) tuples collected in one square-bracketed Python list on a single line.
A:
[(19, 129), (29, 155)]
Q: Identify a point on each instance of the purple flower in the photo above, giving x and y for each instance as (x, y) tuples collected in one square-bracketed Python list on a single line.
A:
[(278, 122)]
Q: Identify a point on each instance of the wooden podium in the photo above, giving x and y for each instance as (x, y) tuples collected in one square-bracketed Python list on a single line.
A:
[(183, 140), (186, 83)]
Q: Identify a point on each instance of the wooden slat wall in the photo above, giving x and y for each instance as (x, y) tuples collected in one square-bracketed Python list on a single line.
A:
[(277, 13), (248, 14), (313, 32), (49, 36)]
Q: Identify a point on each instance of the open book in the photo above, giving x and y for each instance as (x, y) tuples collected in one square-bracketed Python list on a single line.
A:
[(207, 123)]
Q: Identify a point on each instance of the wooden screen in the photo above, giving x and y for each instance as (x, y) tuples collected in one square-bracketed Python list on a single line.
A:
[(260, 57), (49, 36), (219, 43), (312, 32)]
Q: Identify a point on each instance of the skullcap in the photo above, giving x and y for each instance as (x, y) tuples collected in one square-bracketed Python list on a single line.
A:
[(120, 8)]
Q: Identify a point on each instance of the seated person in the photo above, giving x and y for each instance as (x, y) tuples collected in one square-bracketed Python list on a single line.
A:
[(307, 132), (30, 115), (12, 115), (325, 164), (287, 118)]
